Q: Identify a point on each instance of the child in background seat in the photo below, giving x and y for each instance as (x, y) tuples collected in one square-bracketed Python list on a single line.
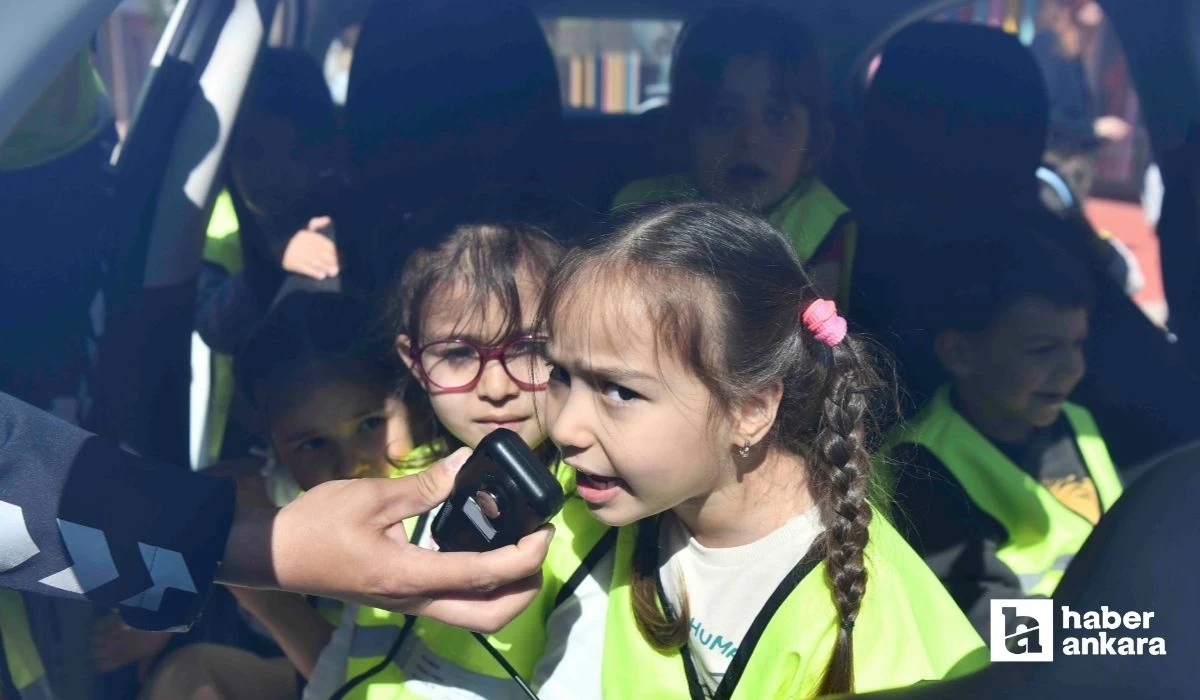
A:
[(750, 94), (1000, 476), (324, 391), (462, 318)]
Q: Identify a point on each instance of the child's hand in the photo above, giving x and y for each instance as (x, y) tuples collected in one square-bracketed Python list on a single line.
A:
[(115, 645), (311, 252), (1111, 128)]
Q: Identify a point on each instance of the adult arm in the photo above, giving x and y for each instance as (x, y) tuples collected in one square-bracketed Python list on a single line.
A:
[(79, 517), (346, 540), (82, 518)]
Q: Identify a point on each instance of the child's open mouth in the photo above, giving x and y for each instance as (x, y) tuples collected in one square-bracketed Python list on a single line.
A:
[(597, 489)]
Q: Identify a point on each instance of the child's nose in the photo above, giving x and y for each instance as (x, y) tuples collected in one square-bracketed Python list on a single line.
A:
[(495, 384), (568, 423), (750, 131)]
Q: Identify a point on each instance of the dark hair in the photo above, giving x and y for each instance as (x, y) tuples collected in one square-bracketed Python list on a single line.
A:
[(483, 258), (308, 329), (990, 276), (724, 289), (708, 42), (289, 83)]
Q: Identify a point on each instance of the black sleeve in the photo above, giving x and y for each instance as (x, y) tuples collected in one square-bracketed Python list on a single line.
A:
[(228, 308), (955, 537), (82, 518)]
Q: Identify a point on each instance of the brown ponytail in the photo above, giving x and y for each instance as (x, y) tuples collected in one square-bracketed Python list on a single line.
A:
[(726, 294), (840, 459), (663, 632)]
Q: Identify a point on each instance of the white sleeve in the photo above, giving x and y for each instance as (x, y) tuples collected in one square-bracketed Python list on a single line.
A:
[(571, 667), (330, 672)]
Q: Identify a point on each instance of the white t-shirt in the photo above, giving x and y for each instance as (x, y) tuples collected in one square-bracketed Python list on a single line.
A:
[(727, 587)]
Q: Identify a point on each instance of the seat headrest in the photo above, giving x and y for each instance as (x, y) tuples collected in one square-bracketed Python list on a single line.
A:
[(954, 105), (449, 84)]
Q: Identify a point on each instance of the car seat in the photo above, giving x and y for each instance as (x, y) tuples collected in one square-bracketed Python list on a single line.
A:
[(448, 93), (446, 96)]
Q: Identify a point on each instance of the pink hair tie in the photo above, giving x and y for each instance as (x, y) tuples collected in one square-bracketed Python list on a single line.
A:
[(822, 320)]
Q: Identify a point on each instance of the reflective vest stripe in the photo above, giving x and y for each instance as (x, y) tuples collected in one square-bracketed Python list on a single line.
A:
[(1043, 533), (223, 248), (21, 654), (38, 690), (1030, 582), (372, 641)]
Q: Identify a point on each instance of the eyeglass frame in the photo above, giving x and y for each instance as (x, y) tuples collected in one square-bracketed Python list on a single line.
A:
[(486, 353)]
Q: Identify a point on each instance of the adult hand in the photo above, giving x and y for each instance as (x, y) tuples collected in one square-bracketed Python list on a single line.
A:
[(346, 540), (115, 645), (311, 251), (1111, 128)]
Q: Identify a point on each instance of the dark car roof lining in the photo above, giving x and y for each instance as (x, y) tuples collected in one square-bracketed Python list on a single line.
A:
[(847, 28), (852, 31)]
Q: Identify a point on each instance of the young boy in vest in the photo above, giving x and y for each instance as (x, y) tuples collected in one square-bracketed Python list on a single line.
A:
[(1000, 477)]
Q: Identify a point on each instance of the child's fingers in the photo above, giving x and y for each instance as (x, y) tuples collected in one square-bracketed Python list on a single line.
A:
[(327, 258), (309, 269)]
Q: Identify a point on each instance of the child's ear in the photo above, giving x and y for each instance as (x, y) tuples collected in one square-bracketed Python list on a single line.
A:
[(755, 416), (404, 350), (954, 351)]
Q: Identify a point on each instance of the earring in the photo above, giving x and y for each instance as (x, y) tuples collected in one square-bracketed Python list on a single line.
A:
[(744, 450)]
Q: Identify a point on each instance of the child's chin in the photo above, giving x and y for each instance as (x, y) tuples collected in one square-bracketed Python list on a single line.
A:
[(1045, 417), (612, 516)]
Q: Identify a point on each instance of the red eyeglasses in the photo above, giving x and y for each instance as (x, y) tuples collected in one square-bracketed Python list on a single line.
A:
[(456, 365)]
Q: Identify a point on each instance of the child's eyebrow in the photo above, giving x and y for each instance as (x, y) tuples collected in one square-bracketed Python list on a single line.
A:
[(602, 373), (474, 338), (298, 436)]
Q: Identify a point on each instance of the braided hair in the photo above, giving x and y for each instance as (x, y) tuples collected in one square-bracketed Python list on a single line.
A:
[(726, 294)]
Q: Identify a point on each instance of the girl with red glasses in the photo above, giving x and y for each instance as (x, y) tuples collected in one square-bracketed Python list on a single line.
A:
[(461, 316)]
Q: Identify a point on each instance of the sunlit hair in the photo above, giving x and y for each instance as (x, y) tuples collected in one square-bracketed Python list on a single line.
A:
[(723, 291), (470, 265)]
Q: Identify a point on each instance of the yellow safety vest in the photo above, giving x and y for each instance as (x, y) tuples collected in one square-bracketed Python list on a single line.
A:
[(1043, 534), (222, 247), (20, 653), (578, 540), (809, 216), (908, 630), (68, 114)]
